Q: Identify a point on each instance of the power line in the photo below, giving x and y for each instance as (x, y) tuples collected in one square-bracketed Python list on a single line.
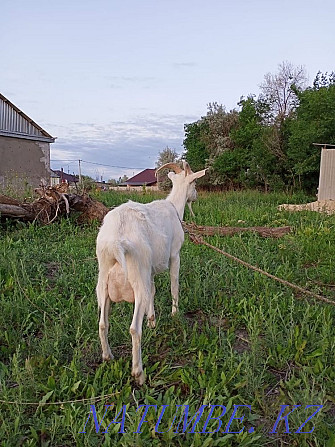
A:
[(98, 164), (111, 166), (60, 159)]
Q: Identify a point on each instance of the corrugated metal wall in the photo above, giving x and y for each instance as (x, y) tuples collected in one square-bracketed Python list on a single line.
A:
[(12, 122), (327, 175)]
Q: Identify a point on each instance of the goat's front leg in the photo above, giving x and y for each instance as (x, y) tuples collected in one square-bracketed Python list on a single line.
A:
[(174, 276), (136, 335)]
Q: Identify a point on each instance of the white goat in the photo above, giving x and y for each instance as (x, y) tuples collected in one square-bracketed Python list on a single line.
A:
[(135, 242)]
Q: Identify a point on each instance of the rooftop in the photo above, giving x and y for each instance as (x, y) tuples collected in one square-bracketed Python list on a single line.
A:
[(64, 176), (146, 177), (15, 123)]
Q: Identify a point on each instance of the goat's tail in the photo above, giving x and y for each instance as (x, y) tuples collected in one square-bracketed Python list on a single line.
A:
[(119, 250)]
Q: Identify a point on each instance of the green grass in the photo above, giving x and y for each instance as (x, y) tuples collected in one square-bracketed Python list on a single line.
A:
[(239, 339)]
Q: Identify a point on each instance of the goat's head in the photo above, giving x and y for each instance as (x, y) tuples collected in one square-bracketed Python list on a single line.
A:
[(184, 179)]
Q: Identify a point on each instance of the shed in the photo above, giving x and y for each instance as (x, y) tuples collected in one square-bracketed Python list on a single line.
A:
[(24, 149), (326, 190)]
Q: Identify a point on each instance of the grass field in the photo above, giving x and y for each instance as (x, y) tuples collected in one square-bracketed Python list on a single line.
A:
[(239, 339)]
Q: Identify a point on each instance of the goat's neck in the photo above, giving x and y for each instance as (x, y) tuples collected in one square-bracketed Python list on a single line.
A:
[(178, 199)]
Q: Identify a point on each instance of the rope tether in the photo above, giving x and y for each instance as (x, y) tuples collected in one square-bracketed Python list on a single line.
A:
[(199, 240)]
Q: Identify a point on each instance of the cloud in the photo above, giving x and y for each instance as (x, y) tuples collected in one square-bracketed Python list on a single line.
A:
[(124, 147), (126, 82), (184, 64), (131, 78)]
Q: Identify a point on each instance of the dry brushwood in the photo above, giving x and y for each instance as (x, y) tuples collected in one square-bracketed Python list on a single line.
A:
[(275, 232), (53, 202)]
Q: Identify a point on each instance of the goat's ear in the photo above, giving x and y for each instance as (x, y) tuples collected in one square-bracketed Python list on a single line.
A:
[(187, 168), (171, 175), (198, 174)]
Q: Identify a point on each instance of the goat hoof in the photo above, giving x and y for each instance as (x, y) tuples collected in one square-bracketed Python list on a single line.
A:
[(151, 322), (139, 378), (108, 357)]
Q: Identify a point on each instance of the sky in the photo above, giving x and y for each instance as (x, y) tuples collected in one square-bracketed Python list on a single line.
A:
[(115, 81)]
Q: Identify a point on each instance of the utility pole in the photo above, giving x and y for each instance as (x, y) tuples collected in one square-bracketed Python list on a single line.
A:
[(80, 179)]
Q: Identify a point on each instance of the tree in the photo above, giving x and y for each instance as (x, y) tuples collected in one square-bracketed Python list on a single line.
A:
[(194, 143), (123, 179), (324, 80), (250, 163), (255, 161), (208, 138), (87, 182), (268, 143), (220, 124), (167, 155), (314, 122), (280, 90), (112, 182)]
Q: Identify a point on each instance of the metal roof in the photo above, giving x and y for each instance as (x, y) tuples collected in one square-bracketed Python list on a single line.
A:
[(146, 177), (15, 123)]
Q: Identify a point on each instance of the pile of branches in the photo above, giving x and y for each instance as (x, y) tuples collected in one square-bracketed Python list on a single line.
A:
[(275, 232), (53, 202)]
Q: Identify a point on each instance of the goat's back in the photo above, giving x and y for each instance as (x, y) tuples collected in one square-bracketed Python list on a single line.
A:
[(150, 232)]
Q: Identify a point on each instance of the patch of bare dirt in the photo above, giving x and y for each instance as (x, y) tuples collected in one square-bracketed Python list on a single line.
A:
[(196, 316), (242, 342), (52, 269)]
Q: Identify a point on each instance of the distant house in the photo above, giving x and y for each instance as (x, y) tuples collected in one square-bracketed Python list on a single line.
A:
[(24, 149), (61, 177), (145, 178)]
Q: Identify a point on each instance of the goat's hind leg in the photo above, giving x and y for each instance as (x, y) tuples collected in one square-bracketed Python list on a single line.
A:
[(104, 304), (103, 330), (151, 309), (174, 276), (136, 335)]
